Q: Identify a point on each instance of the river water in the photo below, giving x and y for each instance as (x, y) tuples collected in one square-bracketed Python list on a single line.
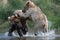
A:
[(54, 35)]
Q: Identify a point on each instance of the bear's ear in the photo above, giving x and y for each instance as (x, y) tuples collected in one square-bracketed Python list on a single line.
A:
[(8, 18), (28, 3)]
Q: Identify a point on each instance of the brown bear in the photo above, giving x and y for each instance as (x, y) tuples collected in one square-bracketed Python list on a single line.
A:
[(17, 23), (37, 16)]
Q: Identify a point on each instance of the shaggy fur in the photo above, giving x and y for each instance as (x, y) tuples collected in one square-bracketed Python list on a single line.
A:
[(17, 23), (38, 17)]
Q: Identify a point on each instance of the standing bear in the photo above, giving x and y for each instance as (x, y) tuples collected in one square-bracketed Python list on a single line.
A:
[(37, 16)]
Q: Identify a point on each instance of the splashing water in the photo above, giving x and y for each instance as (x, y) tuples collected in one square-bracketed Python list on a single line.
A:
[(40, 34)]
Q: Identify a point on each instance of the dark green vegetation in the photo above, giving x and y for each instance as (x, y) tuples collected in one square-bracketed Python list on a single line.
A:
[(50, 7)]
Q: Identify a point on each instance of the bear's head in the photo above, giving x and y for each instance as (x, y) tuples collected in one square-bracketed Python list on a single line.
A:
[(14, 19), (28, 5)]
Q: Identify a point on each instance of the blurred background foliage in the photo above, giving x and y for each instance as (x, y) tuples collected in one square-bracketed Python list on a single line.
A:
[(50, 7)]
